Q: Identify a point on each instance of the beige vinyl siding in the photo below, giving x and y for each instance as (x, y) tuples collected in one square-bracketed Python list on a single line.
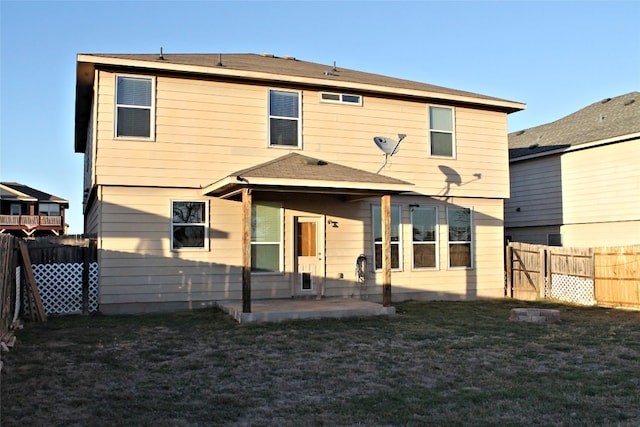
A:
[(206, 130), (594, 234), (602, 184), (138, 267)]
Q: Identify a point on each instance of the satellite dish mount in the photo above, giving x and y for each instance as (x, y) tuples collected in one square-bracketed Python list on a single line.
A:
[(388, 146)]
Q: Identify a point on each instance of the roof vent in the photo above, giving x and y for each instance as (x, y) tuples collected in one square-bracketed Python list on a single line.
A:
[(520, 132), (629, 102), (268, 55), (161, 54), (604, 101), (219, 64), (329, 73), (290, 58), (533, 146)]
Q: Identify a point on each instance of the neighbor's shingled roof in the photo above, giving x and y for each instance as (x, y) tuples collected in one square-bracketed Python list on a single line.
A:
[(41, 196), (602, 120)]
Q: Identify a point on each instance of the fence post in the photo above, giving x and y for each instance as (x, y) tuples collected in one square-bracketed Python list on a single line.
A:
[(85, 279), (509, 264), (543, 272)]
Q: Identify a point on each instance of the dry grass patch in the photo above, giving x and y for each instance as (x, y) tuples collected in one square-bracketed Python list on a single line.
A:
[(433, 363)]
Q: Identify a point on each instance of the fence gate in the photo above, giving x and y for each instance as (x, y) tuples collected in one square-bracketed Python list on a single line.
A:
[(539, 271)]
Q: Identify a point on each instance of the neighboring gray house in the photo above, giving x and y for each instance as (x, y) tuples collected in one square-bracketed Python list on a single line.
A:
[(576, 181)]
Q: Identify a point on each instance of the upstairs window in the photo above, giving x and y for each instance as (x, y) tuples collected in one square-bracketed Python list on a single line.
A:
[(189, 228), (396, 238), (48, 209), (134, 107), (460, 247), (341, 98), (441, 137), (284, 119), (424, 222)]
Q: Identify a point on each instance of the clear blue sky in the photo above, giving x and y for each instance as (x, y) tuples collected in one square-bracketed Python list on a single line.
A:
[(556, 57)]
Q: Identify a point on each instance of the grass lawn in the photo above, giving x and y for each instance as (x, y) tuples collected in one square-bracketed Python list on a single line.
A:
[(433, 363)]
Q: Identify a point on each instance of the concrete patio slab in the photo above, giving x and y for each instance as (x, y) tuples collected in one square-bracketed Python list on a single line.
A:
[(290, 309)]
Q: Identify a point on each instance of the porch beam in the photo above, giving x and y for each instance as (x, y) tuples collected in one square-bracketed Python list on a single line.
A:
[(246, 250), (385, 209)]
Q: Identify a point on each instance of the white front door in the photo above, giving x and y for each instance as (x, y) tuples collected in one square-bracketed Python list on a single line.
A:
[(309, 255)]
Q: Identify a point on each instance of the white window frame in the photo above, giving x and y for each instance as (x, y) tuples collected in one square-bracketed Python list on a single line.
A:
[(341, 98), (152, 109), (461, 242), (452, 131), (280, 242), (398, 243), (435, 243), (298, 119), (204, 224)]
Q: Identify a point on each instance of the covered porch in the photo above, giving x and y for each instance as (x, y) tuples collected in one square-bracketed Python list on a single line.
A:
[(295, 174)]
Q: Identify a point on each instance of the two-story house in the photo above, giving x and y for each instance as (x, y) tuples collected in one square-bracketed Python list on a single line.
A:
[(576, 181), (28, 212), (214, 177)]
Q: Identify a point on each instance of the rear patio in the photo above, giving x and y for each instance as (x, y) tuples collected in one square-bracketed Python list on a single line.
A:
[(277, 310)]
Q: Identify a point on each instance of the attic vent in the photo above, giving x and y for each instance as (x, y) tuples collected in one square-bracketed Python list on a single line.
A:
[(604, 101), (329, 73), (520, 132), (268, 55), (534, 146), (290, 58), (629, 102)]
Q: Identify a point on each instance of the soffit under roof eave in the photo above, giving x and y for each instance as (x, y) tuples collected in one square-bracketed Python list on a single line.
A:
[(230, 187), (504, 105)]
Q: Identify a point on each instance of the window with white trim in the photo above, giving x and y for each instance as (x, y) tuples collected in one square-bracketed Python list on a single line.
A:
[(266, 238), (134, 107), (340, 98), (459, 221), (441, 135), (424, 224), (189, 228), (396, 236), (284, 119)]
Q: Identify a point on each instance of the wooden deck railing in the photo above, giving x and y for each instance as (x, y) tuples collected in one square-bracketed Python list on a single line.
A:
[(30, 220)]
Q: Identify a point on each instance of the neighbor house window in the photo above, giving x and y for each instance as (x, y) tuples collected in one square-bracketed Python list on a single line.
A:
[(396, 241), (266, 237), (424, 222), (16, 209), (48, 209), (554, 239), (341, 98), (189, 225), (460, 237), (134, 107), (441, 137), (284, 118)]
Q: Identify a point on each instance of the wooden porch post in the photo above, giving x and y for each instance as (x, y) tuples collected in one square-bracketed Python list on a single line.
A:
[(385, 213), (246, 250)]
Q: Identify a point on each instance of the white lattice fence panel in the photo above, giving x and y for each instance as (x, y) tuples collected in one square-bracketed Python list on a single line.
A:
[(60, 287), (572, 289)]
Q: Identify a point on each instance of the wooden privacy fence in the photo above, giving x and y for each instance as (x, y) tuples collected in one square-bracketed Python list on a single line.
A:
[(8, 266), (604, 276)]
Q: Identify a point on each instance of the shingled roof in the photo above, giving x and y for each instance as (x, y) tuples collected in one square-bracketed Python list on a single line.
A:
[(38, 195), (295, 171), (601, 121), (290, 67)]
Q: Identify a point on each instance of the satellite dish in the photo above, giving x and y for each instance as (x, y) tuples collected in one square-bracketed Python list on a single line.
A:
[(388, 146)]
